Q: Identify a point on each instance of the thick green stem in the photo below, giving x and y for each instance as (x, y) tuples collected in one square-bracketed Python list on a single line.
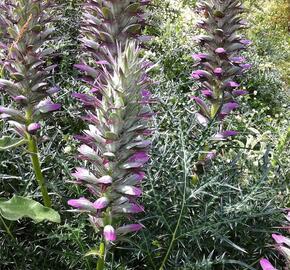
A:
[(101, 260), (33, 150)]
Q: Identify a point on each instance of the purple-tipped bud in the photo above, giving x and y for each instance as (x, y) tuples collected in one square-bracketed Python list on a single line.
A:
[(199, 56), (110, 233), (88, 152), (246, 42), (137, 160), (207, 93), (134, 179), (246, 66), (102, 62), (220, 51), (101, 203), (204, 108), (228, 107), (280, 239), (21, 99), (129, 228), (141, 157), (238, 59), (139, 176), (53, 90), (218, 71), (198, 74), (87, 100), (224, 135), (82, 174), (145, 97), (81, 204), (33, 128), (232, 84), (240, 92), (106, 180), (46, 106), (129, 190), (128, 208), (266, 265)]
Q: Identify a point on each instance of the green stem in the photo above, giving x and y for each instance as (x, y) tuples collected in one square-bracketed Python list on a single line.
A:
[(7, 229), (101, 260), (33, 150)]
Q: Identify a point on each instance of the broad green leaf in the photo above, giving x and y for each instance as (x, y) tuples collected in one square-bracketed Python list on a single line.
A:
[(19, 207), (7, 142)]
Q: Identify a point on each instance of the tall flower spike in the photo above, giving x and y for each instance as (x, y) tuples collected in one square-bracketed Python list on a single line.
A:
[(25, 28), (114, 144), (220, 64), (115, 147)]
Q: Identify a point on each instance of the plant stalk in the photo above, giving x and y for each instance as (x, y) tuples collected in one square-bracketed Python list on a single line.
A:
[(33, 150), (101, 260), (7, 229)]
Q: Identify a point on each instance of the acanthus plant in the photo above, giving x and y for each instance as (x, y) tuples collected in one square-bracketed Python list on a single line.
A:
[(220, 65), (282, 246), (114, 146), (26, 27)]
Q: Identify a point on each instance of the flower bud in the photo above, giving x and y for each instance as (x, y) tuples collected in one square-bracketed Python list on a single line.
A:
[(33, 128)]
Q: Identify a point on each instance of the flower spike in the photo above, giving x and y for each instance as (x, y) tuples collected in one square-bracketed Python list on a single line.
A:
[(220, 63), (115, 147)]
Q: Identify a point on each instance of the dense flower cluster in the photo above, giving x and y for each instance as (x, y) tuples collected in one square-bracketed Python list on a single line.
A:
[(221, 63), (282, 246), (25, 28), (106, 25), (114, 145)]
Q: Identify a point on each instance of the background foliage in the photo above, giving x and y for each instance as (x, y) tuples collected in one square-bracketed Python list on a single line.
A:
[(223, 220)]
